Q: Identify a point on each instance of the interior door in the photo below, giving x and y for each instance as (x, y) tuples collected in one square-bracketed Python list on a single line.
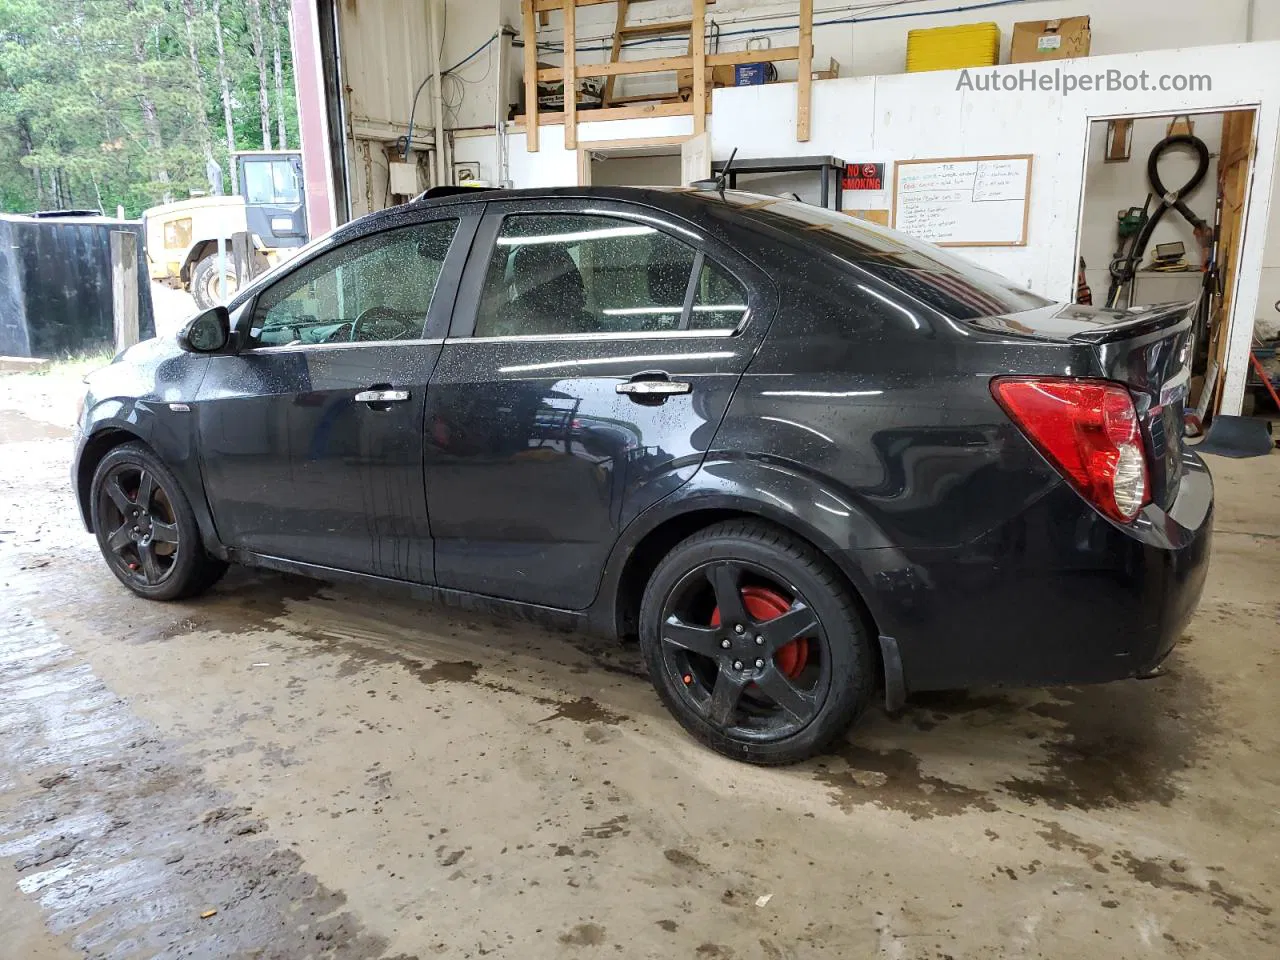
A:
[(695, 158), (311, 436), (590, 361)]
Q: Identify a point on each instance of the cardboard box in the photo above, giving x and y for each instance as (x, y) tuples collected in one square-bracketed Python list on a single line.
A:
[(1036, 40), (721, 76), (831, 72)]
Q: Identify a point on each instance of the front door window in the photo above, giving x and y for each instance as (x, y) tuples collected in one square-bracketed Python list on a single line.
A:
[(376, 288)]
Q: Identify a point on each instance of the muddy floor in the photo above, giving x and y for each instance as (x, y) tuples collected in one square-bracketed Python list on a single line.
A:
[(289, 769)]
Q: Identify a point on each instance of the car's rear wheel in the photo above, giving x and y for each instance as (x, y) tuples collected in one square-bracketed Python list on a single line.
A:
[(146, 529), (754, 642)]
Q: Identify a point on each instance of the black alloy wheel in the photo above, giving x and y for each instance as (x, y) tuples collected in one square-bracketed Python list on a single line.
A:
[(756, 643), (747, 651), (146, 528), (142, 530)]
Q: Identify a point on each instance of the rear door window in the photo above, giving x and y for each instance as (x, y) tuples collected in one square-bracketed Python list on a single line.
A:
[(584, 274)]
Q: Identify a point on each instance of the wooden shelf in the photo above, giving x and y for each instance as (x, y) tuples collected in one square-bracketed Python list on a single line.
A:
[(697, 61), (655, 29), (612, 113)]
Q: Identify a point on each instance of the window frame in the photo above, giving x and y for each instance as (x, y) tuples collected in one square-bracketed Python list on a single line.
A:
[(248, 162), (470, 294), (436, 323)]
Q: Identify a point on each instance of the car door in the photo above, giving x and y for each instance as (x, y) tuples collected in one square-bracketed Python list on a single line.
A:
[(592, 354), (311, 435), (274, 208)]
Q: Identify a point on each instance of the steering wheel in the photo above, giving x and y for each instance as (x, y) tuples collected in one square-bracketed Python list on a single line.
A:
[(374, 315)]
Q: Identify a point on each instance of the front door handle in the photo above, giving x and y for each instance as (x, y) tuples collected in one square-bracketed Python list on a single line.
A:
[(654, 389), (382, 396)]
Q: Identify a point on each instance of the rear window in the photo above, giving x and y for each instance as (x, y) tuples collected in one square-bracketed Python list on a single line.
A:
[(959, 289)]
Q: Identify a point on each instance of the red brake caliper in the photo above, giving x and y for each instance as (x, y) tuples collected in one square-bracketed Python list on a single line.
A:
[(765, 604)]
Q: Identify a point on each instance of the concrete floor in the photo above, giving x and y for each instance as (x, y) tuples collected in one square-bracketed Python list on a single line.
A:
[(345, 775)]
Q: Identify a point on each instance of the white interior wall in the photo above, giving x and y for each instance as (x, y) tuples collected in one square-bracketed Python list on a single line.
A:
[(1109, 187), (917, 116), (924, 115), (876, 44)]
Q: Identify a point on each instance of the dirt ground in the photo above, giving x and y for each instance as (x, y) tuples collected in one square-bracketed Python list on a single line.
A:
[(289, 769)]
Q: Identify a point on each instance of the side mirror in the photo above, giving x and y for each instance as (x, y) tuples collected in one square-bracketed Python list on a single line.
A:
[(207, 332)]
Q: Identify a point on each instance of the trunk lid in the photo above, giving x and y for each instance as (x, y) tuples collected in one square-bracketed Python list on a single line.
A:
[(1146, 348)]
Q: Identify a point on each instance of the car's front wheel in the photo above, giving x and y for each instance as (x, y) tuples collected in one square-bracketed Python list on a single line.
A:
[(146, 528), (755, 643)]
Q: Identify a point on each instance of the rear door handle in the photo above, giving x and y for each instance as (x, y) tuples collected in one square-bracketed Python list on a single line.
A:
[(641, 389), (382, 396)]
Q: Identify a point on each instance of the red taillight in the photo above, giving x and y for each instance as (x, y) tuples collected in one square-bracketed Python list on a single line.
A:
[(1088, 429)]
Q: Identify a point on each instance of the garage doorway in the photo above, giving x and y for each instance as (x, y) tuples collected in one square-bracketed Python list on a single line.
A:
[(634, 163), (1135, 250)]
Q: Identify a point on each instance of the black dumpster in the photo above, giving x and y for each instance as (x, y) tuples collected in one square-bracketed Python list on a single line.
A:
[(55, 284)]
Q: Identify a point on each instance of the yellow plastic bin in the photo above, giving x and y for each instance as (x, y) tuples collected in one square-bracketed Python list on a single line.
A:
[(951, 48)]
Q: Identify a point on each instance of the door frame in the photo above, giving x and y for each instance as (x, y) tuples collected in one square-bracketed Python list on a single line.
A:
[(1236, 339), (470, 289), (618, 148)]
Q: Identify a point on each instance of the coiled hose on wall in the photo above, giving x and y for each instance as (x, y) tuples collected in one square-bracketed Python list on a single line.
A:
[(1123, 267)]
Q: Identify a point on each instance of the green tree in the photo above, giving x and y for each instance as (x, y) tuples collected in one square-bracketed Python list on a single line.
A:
[(120, 102)]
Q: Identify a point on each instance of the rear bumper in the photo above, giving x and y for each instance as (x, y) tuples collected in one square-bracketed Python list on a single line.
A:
[(1059, 595)]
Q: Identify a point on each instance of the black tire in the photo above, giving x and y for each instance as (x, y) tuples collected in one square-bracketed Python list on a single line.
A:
[(204, 281), (146, 530), (750, 555)]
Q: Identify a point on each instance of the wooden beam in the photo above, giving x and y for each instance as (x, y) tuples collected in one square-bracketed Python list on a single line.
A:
[(656, 65), (557, 4), (671, 96), (617, 113), (615, 52), (571, 75), (804, 86), (656, 29), (530, 38), (542, 5), (698, 50), (631, 143), (775, 55)]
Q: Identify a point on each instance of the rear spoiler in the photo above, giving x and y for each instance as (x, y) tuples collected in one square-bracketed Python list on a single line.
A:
[(1140, 321)]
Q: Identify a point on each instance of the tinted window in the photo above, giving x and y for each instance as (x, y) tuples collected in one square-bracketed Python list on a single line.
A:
[(271, 181), (954, 286), (580, 274), (719, 301), (375, 288)]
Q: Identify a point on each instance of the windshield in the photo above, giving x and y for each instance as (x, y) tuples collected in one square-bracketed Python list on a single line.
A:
[(958, 288)]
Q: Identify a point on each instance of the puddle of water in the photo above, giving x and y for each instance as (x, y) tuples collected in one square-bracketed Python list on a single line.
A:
[(100, 806), (17, 427)]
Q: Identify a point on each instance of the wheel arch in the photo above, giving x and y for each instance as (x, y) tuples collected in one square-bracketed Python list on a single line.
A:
[(98, 445), (617, 610), (732, 489), (107, 436), (199, 250)]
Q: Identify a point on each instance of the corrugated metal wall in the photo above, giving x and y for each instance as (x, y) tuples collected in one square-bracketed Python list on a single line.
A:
[(384, 46)]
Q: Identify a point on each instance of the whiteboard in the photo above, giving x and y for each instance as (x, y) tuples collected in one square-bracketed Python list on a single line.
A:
[(963, 201)]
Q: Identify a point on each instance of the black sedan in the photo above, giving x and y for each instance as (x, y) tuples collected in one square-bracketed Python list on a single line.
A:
[(801, 457)]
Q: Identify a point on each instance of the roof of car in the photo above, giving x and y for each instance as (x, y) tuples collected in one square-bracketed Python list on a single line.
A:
[(665, 195)]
